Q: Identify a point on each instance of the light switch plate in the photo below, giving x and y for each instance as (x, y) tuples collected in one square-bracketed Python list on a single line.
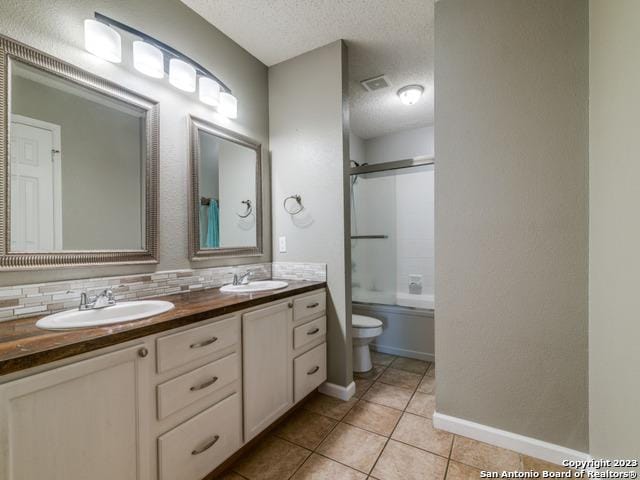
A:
[(282, 244)]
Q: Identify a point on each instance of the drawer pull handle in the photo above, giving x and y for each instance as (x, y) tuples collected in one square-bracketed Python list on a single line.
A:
[(205, 343), (206, 446), (143, 352), (206, 384), (313, 305), (313, 370), (313, 331)]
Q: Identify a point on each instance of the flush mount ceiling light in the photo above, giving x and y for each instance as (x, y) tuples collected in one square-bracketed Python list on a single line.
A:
[(410, 94), (209, 91), (148, 59), (228, 105), (103, 41)]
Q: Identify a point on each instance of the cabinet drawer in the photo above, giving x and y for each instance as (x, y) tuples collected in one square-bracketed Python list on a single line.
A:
[(193, 449), (184, 347), (309, 305), (186, 389), (307, 333), (309, 371)]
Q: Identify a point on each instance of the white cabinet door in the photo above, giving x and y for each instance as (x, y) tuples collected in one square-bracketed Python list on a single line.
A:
[(268, 390), (76, 422)]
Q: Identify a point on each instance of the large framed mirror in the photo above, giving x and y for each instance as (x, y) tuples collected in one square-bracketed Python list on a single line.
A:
[(225, 193), (78, 166)]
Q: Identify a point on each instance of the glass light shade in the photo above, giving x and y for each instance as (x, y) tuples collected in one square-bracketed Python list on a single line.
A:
[(148, 59), (209, 91), (228, 105), (410, 94), (102, 40), (182, 75)]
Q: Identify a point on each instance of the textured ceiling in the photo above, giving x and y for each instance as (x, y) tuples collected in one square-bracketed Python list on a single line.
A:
[(391, 37)]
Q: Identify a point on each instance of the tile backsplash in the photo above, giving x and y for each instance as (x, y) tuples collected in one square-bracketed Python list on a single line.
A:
[(42, 298)]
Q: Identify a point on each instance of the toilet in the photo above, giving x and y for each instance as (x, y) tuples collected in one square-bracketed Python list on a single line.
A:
[(363, 331)]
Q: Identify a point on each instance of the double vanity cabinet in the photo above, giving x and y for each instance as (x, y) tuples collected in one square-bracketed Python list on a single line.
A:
[(169, 406)]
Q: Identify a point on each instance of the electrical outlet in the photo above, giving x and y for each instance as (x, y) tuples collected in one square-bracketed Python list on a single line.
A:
[(282, 244)]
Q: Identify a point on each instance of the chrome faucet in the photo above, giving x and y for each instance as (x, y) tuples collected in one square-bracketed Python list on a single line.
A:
[(242, 279), (102, 300)]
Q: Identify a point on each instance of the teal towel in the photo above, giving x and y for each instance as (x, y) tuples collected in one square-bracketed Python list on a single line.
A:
[(213, 226)]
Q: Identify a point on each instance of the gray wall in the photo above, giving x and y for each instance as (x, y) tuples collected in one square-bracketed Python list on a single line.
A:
[(309, 154), (399, 145), (511, 80), (102, 160), (33, 22), (614, 330)]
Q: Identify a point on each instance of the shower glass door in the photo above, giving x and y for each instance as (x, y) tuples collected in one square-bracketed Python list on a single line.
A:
[(392, 219)]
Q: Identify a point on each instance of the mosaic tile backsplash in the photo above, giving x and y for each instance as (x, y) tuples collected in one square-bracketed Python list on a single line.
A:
[(42, 298)]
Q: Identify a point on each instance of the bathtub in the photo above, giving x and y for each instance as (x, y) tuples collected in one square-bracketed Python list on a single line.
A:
[(407, 321)]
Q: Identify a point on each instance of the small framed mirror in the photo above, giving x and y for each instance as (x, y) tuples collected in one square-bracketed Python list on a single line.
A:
[(78, 166), (225, 203)]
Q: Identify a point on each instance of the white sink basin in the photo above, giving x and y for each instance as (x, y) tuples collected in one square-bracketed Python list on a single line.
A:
[(253, 287), (118, 313)]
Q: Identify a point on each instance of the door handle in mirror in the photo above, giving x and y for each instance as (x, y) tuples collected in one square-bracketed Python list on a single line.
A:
[(313, 370), (204, 344), (206, 384)]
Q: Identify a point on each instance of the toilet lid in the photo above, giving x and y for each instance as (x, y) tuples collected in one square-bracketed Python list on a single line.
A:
[(360, 321)]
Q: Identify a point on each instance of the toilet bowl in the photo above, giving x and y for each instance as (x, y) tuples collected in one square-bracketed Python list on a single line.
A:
[(363, 331)]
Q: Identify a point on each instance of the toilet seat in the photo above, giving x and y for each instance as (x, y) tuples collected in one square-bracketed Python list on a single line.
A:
[(361, 321)]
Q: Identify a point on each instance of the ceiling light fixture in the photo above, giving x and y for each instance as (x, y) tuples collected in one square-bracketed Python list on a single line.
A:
[(410, 94), (102, 39)]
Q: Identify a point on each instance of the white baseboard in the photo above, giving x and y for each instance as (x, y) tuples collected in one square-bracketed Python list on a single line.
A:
[(338, 391), (401, 352), (511, 441)]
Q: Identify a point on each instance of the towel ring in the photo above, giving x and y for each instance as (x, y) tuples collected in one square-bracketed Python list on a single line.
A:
[(298, 199), (249, 209)]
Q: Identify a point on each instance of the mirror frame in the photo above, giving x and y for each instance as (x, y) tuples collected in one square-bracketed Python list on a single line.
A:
[(195, 250), (11, 50)]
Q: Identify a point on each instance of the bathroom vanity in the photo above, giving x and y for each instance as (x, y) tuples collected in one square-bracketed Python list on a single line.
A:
[(169, 397)]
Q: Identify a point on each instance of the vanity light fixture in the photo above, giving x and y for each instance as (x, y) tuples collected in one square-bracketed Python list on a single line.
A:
[(148, 59), (182, 75), (209, 91), (103, 41), (410, 94), (149, 54), (228, 105)]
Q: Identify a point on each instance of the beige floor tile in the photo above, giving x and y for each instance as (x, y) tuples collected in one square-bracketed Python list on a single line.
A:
[(379, 358), (273, 459), (419, 432), (388, 395), (459, 471), (422, 404), (321, 468), (362, 385), (306, 428), (484, 456), (372, 374), (411, 365), (537, 465), (427, 385), (403, 462), (373, 417), (353, 447), (231, 476), (329, 406), (400, 378)]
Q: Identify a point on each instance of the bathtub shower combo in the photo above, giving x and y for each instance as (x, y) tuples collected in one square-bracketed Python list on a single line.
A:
[(392, 259)]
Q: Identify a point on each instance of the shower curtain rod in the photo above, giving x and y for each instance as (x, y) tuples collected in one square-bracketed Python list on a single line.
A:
[(395, 165)]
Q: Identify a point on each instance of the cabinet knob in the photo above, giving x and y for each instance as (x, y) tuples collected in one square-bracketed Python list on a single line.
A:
[(143, 352), (290, 305)]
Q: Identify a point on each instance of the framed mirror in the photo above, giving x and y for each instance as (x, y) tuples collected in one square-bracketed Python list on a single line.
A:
[(78, 166), (225, 193)]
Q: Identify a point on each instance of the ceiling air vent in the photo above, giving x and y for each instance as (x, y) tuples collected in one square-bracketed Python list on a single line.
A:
[(376, 83)]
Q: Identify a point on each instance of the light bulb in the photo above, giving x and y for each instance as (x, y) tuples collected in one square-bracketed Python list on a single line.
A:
[(209, 91), (182, 75), (148, 59), (102, 40), (228, 105)]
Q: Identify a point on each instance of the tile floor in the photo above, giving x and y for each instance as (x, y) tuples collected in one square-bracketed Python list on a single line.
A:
[(383, 433)]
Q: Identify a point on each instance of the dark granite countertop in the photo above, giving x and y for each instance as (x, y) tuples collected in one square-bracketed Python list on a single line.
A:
[(23, 345)]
